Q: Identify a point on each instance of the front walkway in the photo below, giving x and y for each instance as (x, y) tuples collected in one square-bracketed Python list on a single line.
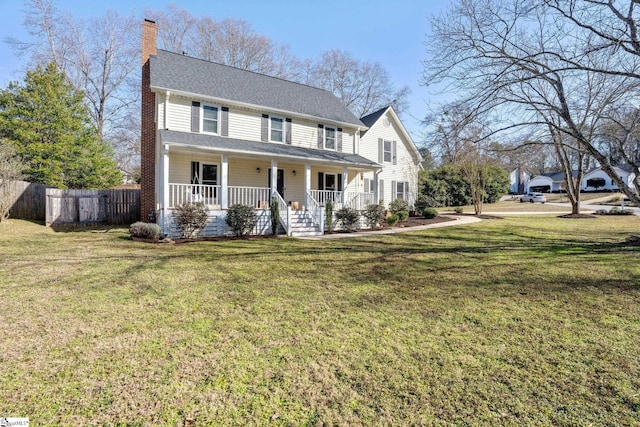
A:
[(457, 220)]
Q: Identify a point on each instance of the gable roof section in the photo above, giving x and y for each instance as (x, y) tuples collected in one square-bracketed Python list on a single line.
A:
[(171, 71), (370, 119), (373, 118), (231, 145)]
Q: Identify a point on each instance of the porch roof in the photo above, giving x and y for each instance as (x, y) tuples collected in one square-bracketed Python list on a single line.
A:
[(264, 149)]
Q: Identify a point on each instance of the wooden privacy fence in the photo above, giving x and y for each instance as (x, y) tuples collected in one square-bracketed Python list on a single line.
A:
[(79, 207), (27, 200)]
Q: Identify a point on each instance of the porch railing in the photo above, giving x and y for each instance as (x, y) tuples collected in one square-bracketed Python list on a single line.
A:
[(285, 211), (182, 193), (322, 196), (359, 201), (257, 197), (314, 209)]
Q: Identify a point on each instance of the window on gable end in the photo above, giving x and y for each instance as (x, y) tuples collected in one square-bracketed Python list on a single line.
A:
[(388, 151)]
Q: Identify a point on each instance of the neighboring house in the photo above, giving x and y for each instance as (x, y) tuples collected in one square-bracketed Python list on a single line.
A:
[(519, 180), (548, 182), (228, 136), (598, 180)]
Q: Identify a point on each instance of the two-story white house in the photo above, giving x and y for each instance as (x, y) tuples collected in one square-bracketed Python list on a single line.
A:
[(228, 136)]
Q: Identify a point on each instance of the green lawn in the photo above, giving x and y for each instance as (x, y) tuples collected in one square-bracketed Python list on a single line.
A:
[(521, 321)]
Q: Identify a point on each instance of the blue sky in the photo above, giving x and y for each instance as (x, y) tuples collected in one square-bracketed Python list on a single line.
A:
[(390, 32)]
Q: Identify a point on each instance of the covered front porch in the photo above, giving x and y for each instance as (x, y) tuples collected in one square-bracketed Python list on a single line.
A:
[(221, 178), (221, 181)]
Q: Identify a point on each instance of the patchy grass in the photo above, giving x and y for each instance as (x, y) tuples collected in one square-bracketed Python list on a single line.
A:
[(523, 321)]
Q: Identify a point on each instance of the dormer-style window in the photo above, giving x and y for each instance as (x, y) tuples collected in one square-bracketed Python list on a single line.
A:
[(329, 138), (277, 129)]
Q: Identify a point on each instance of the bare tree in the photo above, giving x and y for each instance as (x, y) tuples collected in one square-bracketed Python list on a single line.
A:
[(363, 87), (453, 129), (99, 56), (607, 25), (510, 61), (175, 27), (231, 42)]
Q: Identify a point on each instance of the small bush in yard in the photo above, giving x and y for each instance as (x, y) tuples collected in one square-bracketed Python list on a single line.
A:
[(402, 215), (144, 230), (374, 215), (348, 217), (422, 203), (430, 213), (190, 218), (614, 211), (275, 216), (458, 209), (398, 205), (392, 220), (328, 219), (241, 219)]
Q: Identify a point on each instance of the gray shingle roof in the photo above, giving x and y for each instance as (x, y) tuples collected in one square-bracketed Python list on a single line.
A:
[(183, 73), (370, 119), (558, 176), (225, 144)]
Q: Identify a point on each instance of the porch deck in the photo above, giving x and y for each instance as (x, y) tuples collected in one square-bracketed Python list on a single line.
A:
[(260, 197)]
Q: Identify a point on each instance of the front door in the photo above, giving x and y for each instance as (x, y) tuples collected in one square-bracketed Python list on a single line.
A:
[(210, 177), (280, 183)]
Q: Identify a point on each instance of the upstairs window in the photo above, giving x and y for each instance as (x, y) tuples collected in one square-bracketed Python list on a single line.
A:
[(388, 151), (209, 119), (277, 129), (330, 138)]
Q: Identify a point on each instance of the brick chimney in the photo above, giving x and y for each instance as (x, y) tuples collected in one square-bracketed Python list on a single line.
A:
[(148, 128)]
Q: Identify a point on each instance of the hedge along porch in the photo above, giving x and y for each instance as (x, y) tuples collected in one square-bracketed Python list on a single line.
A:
[(222, 177)]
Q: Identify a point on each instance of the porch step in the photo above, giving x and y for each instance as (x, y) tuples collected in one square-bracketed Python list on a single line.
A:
[(302, 225)]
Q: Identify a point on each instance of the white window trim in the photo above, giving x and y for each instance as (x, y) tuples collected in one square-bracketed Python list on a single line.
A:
[(384, 141), (202, 107), (282, 130), (405, 189), (335, 138)]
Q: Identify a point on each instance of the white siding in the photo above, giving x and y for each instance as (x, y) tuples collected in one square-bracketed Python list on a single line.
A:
[(304, 133), (244, 124), (179, 117), (405, 168)]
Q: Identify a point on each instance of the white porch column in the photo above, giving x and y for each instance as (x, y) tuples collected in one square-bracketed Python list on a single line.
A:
[(164, 190), (224, 182), (376, 187), (345, 176), (307, 184), (274, 175)]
